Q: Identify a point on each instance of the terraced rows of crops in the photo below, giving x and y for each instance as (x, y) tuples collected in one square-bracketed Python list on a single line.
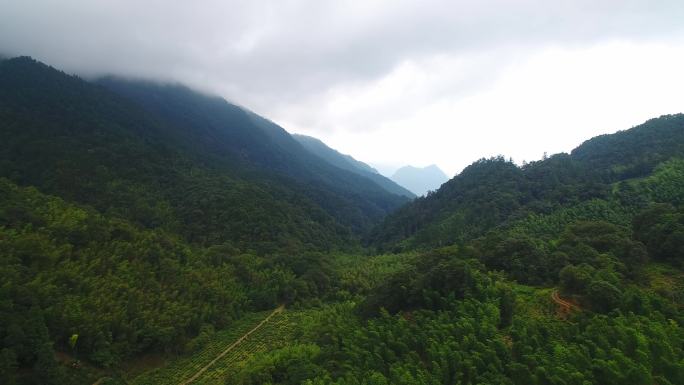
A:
[(183, 368), (272, 335)]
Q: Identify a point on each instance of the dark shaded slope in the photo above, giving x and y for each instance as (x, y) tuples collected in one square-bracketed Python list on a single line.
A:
[(346, 162), (220, 134), (81, 142), (332, 156)]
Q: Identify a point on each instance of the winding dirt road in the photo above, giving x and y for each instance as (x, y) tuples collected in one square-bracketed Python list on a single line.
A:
[(565, 306), (557, 299)]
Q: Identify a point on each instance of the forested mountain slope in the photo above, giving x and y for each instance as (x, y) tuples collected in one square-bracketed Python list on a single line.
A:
[(226, 136), (495, 192), (78, 281), (346, 162), (147, 226), (166, 156), (122, 231), (562, 274), (634, 152)]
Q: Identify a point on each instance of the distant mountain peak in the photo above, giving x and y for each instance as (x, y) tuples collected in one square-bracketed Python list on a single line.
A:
[(420, 180)]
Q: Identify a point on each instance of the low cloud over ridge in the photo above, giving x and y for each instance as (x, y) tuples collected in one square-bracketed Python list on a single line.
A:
[(381, 79)]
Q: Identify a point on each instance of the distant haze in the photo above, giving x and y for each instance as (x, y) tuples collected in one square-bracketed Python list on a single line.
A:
[(420, 180), (388, 82)]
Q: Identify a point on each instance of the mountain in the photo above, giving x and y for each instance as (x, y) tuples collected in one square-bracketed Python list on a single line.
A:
[(420, 180), (346, 162), (495, 192), (85, 144), (225, 135), (333, 156), (150, 200), (146, 230), (164, 155)]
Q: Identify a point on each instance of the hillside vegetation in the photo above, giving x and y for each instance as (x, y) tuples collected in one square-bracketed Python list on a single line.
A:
[(144, 229), (495, 192), (574, 278)]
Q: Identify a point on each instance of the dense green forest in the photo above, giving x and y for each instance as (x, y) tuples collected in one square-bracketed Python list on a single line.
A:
[(226, 137), (495, 192), (164, 156), (142, 221), (481, 311)]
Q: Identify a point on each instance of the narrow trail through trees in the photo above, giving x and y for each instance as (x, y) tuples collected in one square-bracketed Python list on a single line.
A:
[(233, 345), (565, 306)]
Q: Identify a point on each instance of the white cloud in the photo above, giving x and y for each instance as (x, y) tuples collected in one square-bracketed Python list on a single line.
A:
[(389, 81), (548, 100)]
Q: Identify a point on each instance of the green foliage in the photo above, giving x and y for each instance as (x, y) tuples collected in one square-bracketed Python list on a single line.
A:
[(166, 157), (637, 151), (548, 194), (434, 280), (271, 335), (661, 228), (163, 222), (482, 337), (599, 251), (123, 289), (289, 365), (226, 137)]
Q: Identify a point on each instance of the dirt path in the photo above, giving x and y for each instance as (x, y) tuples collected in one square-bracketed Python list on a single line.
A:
[(233, 345), (557, 299), (565, 306)]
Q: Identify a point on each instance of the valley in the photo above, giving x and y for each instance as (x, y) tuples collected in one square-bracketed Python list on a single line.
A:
[(152, 234)]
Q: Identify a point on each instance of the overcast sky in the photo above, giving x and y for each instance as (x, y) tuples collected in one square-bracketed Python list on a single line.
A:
[(389, 82)]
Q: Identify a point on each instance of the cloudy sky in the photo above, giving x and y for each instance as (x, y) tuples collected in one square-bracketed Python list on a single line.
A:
[(391, 82)]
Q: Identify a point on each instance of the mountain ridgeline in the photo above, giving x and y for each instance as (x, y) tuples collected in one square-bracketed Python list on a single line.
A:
[(147, 230), (346, 162), (224, 135), (163, 155), (494, 192)]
